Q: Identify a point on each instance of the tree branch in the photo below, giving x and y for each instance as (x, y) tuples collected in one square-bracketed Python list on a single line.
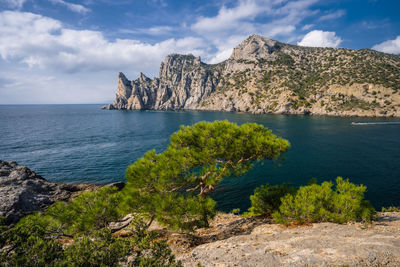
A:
[(124, 224)]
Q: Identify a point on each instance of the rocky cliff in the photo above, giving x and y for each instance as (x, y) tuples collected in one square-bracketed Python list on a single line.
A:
[(267, 76)]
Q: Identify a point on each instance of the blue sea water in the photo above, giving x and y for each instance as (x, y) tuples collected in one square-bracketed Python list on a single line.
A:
[(84, 144)]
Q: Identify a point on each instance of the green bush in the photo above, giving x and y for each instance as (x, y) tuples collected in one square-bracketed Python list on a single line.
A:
[(391, 209), (267, 199), (320, 203)]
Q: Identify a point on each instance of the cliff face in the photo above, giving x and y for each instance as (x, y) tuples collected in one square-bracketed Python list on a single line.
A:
[(184, 81), (266, 76)]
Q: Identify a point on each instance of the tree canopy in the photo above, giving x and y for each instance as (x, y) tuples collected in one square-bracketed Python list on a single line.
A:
[(172, 186)]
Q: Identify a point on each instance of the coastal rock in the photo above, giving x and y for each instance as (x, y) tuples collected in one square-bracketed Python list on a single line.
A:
[(319, 244), (22, 191), (183, 82), (266, 76)]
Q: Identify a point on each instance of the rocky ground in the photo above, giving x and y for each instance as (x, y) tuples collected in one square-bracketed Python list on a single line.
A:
[(22, 191), (259, 243)]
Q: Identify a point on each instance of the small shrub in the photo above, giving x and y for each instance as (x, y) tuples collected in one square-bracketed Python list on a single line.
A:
[(320, 203), (267, 199), (391, 209), (236, 211)]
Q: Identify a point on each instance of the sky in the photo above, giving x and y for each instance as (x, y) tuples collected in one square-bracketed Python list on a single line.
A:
[(70, 52)]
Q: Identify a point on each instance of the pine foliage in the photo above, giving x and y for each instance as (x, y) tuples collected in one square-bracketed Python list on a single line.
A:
[(172, 186), (267, 199), (320, 203)]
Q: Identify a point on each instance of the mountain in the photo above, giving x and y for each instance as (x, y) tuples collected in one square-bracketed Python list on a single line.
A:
[(266, 76)]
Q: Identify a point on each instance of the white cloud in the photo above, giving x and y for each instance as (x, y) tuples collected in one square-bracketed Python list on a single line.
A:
[(228, 18), (42, 61), (224, 48), (274, 30), (43, 42), (13, 3), (232, 25), (319, 38), (73, 7), (156, 30), (390, 46), (333, 15), (307, 27)]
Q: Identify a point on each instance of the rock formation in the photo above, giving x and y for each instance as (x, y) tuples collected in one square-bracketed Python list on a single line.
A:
[(266, 76), (22, 191)]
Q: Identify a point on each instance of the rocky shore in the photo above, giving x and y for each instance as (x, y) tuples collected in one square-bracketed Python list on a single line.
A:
[(22, 191)]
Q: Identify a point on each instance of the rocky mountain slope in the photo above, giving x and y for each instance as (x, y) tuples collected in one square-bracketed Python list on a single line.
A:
[(266, 76)]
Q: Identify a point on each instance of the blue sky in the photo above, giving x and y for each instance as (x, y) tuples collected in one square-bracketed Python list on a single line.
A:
[(66, 51)]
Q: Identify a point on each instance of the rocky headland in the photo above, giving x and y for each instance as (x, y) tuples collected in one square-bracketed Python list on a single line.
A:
[(22, 191), (266, 76)]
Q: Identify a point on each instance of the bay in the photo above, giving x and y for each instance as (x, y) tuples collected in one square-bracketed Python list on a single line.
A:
[(84, 144)]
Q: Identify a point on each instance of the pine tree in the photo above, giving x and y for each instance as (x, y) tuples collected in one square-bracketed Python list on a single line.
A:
[(173, 186)]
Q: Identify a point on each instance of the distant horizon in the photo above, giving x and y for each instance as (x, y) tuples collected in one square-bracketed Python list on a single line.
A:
[(68, 51)]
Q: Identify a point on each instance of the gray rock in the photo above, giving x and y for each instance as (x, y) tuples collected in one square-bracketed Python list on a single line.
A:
[(22, 191), (319, 244), (183, 82)]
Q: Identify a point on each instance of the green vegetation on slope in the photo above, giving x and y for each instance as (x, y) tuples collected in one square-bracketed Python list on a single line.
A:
[(75, 234), (305, 73)]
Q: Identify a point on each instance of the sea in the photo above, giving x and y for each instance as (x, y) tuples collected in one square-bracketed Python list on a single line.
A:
[(84, 144)]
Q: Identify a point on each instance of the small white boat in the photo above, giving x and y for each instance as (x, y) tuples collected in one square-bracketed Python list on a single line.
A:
[(376, 123)]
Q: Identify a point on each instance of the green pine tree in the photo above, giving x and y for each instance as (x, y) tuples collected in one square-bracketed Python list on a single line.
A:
[(173, 186)]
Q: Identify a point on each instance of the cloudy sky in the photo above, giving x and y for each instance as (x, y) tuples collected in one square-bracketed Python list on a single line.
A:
[(70, 51)]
